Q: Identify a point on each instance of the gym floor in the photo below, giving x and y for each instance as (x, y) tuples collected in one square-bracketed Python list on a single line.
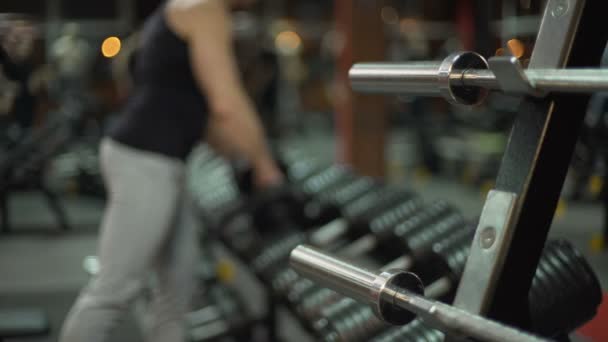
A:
[(42, 267)]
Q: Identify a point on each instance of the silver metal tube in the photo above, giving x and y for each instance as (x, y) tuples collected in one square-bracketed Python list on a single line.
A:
[(548, 80), (348, 279), (422, 78), (387, 290), (569, 80), (416, 78)]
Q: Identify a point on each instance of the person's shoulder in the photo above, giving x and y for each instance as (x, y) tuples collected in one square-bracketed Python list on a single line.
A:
[(185, 15), (190, 8)]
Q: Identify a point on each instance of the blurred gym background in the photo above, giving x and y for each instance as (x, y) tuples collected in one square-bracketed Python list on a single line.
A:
[(294, 56)]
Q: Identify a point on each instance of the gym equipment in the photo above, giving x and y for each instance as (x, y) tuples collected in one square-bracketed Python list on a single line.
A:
[(506, 251), (560, 264), (432, 240), (22, 167), (449, 256), (356, 214), (411, 240), (464, 78), (396, 297), (499, 272), (223, 315), (416, 331)]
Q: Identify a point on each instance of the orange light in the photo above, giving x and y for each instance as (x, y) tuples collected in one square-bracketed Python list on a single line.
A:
[(110, 47), (288, 42), (517, 48)]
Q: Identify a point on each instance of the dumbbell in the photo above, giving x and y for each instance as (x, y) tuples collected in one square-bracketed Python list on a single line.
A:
[(357, 213), (564, 294), (293, 197), (415, 331), (247, 242), (376, 229), (411, 239), (302, 169), (340, 198), (223, 315), (313, 211), (378, 234), (327, 205)]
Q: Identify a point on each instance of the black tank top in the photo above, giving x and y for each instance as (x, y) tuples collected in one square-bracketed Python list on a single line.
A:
[(166, 112)]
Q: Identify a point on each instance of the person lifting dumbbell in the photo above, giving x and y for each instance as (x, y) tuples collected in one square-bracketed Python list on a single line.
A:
[(186, 82)]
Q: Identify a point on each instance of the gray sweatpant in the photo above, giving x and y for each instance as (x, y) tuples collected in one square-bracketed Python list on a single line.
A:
[(148, 228)]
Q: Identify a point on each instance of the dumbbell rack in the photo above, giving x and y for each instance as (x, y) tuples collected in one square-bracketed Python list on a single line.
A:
[(517, 215), (513, 227), (426, 223), (533, 170)]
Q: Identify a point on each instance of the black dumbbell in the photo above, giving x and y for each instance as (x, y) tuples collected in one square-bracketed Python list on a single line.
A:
[(413, 215), (241, 235), (222, 315), (280, 247), (326, 205), (273, 209), (417, 234), (353, 322), (416, 331), (360, 212), (348, 320), (382, 222), (313, 210), (283, 278), (565, 291), (300, 170)]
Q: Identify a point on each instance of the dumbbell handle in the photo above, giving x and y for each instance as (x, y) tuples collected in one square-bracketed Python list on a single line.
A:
[(390, 289)]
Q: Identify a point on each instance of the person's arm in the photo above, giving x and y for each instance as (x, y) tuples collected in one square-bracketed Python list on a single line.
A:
[(234, 127)]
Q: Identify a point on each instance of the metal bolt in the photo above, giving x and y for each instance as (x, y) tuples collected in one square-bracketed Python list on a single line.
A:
[(561, 8), (487, 237)]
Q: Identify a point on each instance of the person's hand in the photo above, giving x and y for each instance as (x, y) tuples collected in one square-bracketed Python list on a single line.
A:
[(266, 174)]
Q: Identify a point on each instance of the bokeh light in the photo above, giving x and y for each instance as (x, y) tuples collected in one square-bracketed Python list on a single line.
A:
[(288, 42), (110, 47), (517, 48)]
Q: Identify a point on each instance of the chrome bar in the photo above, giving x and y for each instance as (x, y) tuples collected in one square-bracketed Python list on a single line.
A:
[(423, 79), (390, 292), (549, 80), (351, 280), (415, 78), (569, 80)]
